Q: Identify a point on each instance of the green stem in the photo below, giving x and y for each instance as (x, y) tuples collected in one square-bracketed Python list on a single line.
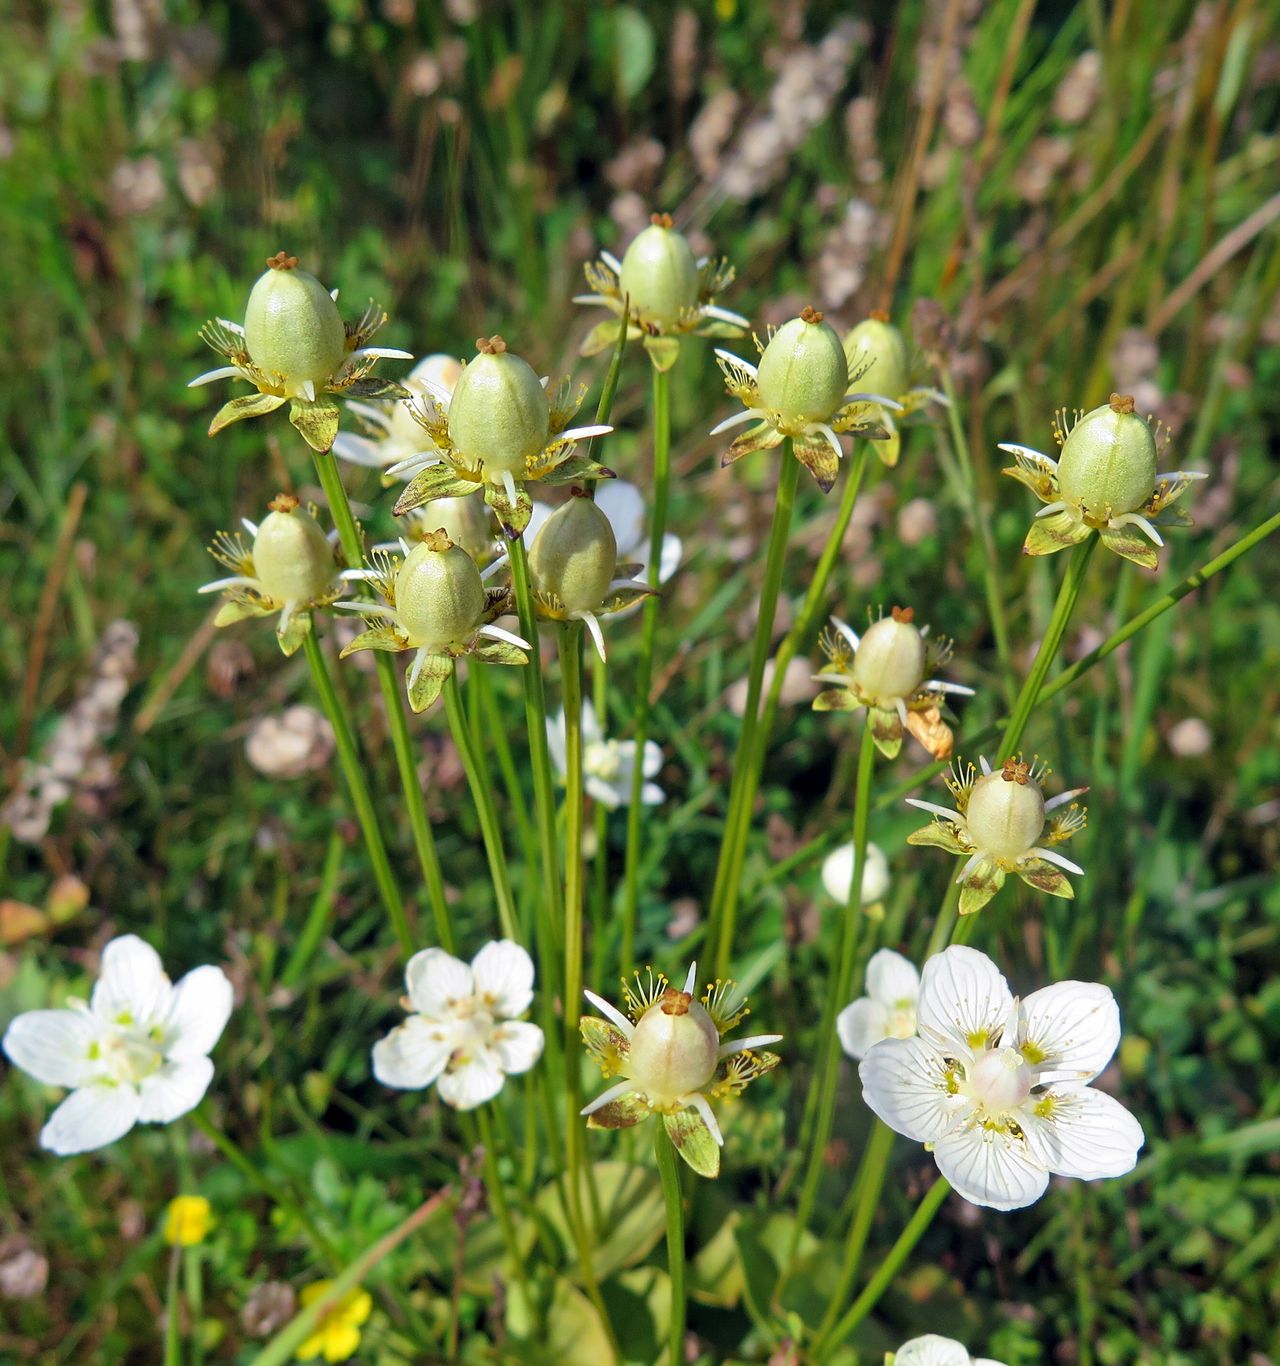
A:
[(318, 917), (600, 817), (724, 898), (191, 1269), (402, 744), (889, 1268), (498, 1199), (482, 795), (173, 1312), (670, 1174), (644, 669), (349, 762), (495, 724), (1054, 631)]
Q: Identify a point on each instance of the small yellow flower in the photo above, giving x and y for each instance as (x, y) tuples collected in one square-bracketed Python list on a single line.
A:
[(187, 1221), (337, 1335)]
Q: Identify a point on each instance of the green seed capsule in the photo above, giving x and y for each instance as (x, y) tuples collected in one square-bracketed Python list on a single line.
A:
[(292, 557), (499, 414), (439, 595), (659, 274), (1005, 815), (292, 327), (1108, 461), (574, 556), (803, 374), (675, 1048), (877, 356), (890, 659)]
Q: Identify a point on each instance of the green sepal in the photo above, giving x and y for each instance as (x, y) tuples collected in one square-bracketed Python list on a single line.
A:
[(601, 337), (890, 448), (663, 352), (499, 652), (688, 1131), (435, 673), (1044, 876), (240, 609), (375, 638), (374, 386), (1042, 479), (980, 886), (248, 405), (1053, 533), (886, 731), (761, 437), (291, 638), (498, 602), (621, 1113), (627, 597), (576, 470), (940, 835), (836, 699), (1130, 544), (819, 459), (513, 517), (606, 1043), (317, 422), (436, 481)]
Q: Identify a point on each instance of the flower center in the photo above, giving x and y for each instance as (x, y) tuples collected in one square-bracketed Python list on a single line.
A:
[(901, 1023), (128, 1051), (601, 760), (1000, 1080)]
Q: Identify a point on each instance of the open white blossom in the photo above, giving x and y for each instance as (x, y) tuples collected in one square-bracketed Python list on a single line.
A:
[(887, 1011), (463, 1032), (998, 1088), (136, 1052), (837, 875), (607, 765), (933, 1350)]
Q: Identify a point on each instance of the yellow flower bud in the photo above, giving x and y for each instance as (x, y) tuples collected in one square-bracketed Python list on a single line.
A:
[(1108, 461), (439, 595), (877, 356), (292, 557), (674, 1050), (187, 1221), (292, 327), (659, 274), (574, 555), (1005, 813), (890, 660), (803, 375), (499, 414)]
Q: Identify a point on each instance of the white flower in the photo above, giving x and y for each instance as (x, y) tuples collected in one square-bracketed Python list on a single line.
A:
[(462, 1032), (999, 1089), (394, 435), (607, 765), (887, 1011), (837, 875), (137, 1052), (932, 1350)]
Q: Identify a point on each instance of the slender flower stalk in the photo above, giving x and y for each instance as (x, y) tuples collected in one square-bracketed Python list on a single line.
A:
[(670, 1174), (644, 669)]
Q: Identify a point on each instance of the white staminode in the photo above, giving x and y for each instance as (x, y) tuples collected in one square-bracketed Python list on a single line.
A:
[(607, 765), (999, 1089), (136, 1052), (887, 1011), (934, 1350), (462, 1033)]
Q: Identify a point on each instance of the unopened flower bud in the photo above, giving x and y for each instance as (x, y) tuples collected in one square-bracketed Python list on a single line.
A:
[(499, 414), (574, 556), (292, 326), (292, 557), (675, 1048), (1005, 813), (439, 596), (659, 274), (890, 662), (1108, 461), (877, 356), (803, 375)]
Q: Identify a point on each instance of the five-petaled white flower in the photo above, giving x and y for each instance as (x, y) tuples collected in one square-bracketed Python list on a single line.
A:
[(462, 1032), (136, 1052), (607, 765), (998, 1088), (933, 1350), (887, 1011)]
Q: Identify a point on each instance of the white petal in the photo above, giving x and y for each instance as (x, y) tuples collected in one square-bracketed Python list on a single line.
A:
[(727, 1050), (1063, 798), (963, 999), (556, 741), (174, 1090), (931, 1350), (672, 552), (619, 1088), (612, 262), (436, 981), (748, 415), (583, 433), (703, 1106), (209, 376), (904, 1082), (477, 1080), (1135, 519), (725, 355), (414, 1054), (537, 520), (518, 1045), (359, 450), (652, 795), (890, 405), (991, 1168), (501, 633), (590, 723), (837, 875), (90, 1118), (131, 982), (847, 631), (503, 975), (1074, 1026), (593, 626), (861, 1026), (53, 1046), (1052, 856), (724, 315), (1036, 457), (611, 1013), (892, 979), (1086, 1134), (198, 1013), (691, 979), (623, 505), (610, 797), (382, 353)]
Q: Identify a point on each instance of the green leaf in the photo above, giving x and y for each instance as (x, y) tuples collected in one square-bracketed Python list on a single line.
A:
[(250, 405), (694, 1141), (632, 1213), (295, 633), (435, 673), (663, 352), (374, 386), (317, 422), (574, 1335), (436, 481), (716, 1273)]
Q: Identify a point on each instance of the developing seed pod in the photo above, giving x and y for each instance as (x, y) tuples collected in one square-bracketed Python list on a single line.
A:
[(1005, 813), (1108, 461), (574, 555), (292, 326), (292, 557), (877, 355), (499, 414), (803, 375), (659, 274), (890, 661), (439, 596), (675, 1049)]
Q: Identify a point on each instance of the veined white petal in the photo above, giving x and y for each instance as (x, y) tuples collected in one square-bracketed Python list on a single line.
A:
[(500, 633), (963, 999), (1050, 509), (892, 979), (904, 1081), (233, 581), (518, 1045), (582, 433), (1073, 1027), (91, 1118), (132, 982), (596, 634), (612, 262), (198, 1013), (850, 635), (724, 315), (883, 400), (737, 420), (222, 372), (480, 1078), (609, 796), (366, 608), (727, 1050), (1052, 856), (436, 982), (414, 1054), (944, 811), (382, 353), (941, 685), (725, 355), (703, 1107), (1085, 1133), (380, 417), (237, 328), (1134, 519), (931, 1350), (53, 1046), (1064, 797), (413, 464), (611, 1013), (1035, 456), (173, 1090), (502, 974), (861, 1025), (989, 1167), (359, 450), (619, 1088), (308, 389)]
